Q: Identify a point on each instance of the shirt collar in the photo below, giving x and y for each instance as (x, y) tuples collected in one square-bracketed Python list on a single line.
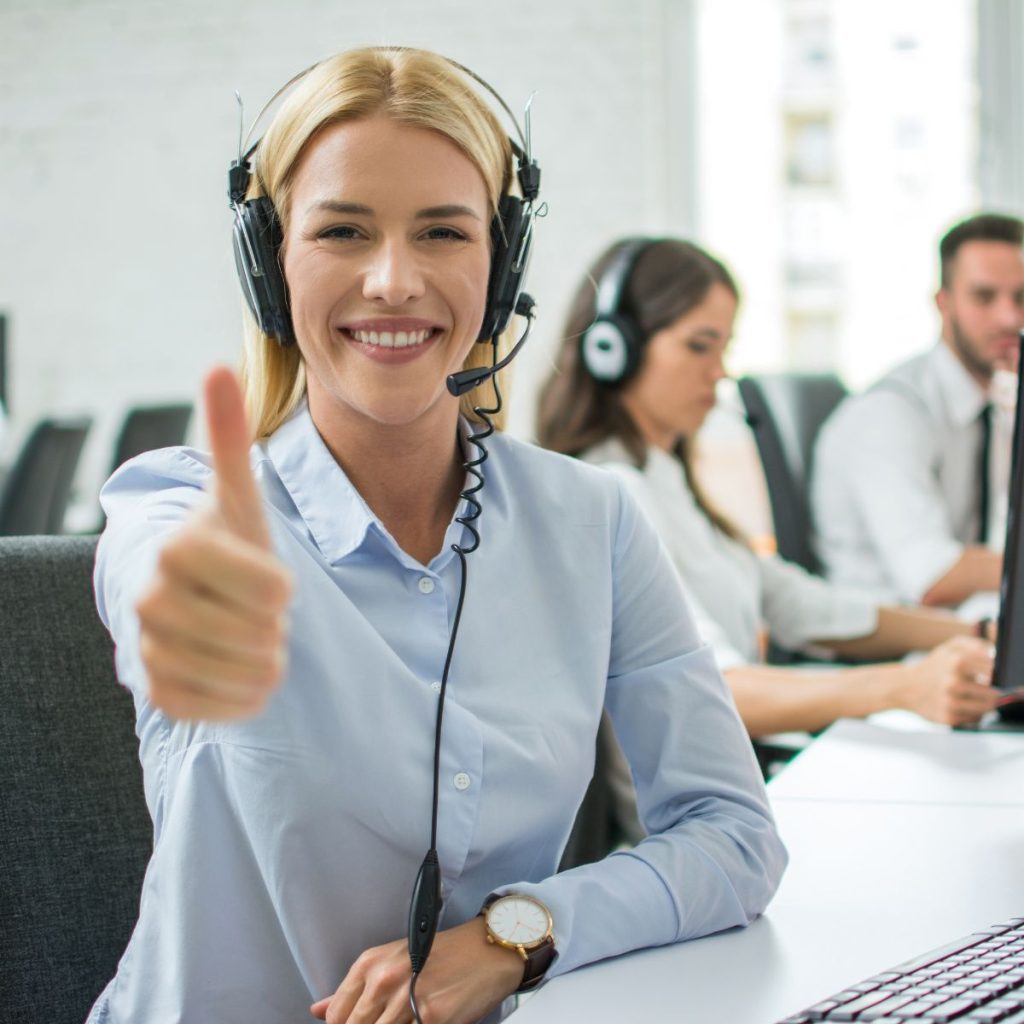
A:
[(661, 467), (332, 509), (963, 396), (335, 513)]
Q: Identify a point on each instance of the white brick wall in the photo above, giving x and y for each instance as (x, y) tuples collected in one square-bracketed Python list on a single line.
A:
[(118, 121)]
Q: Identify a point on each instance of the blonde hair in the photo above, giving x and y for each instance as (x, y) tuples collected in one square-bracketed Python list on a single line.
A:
[(415, 88)]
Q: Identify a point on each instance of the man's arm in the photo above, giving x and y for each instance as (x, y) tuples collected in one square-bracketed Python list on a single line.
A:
[(977, 568), (885, 451)]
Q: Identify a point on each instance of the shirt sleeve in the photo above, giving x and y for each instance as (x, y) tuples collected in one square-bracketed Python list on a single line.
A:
[(145, 501), (800, 608), (712, 858), (885, 449), (725, 653)]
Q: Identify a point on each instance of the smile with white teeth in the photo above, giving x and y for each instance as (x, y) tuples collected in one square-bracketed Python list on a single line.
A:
[(396, 339)]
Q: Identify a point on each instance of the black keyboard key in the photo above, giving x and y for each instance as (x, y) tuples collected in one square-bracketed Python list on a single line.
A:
[(852, 1011), (952, 1010), (913, 1010), (926, 959), (988, 1014), (884, 1009), (820, 1011), (994, 987)]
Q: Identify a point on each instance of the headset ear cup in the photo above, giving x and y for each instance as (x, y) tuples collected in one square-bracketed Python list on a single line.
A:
[(510, 251), (610, 348), (257, 245)]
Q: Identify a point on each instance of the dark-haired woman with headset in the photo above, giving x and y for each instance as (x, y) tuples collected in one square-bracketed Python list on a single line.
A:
[(643, 350), (286, 616)]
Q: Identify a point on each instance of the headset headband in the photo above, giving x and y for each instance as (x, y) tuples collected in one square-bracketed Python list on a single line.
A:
[(616, 276), (521, 150)]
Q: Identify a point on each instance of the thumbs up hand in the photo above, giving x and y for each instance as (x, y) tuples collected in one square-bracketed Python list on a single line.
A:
[(213, 636)]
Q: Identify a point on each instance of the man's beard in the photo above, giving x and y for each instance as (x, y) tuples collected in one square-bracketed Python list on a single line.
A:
[(962, 346)]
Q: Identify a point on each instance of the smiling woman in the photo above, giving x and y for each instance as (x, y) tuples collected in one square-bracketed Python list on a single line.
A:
[(366, 246), (290, 639), (412, 94)]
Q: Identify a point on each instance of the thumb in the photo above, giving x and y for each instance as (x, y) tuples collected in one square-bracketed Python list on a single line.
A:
[(235, 490)]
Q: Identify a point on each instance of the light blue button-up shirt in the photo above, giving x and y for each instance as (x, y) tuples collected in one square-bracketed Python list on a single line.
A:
[(286, 845)]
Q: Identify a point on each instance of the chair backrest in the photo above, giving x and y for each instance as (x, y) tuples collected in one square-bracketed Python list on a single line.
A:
[(148, 427), (598, 829), (785, 411), (75, 834), (36, 491)]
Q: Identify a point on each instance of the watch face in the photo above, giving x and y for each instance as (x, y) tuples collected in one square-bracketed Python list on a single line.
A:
[(519, 920)]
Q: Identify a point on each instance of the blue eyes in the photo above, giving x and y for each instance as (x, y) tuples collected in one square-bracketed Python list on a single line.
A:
[(445, 235), (343, 232), (349, 233)]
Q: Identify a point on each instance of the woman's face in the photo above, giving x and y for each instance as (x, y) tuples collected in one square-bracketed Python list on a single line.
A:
[(674, 389), (386, 255)]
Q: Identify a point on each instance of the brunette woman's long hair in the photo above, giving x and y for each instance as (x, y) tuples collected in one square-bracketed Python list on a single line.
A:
[(576, 411)]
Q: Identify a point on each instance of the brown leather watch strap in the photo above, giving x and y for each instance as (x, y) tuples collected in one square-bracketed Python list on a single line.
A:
[(537, 963)]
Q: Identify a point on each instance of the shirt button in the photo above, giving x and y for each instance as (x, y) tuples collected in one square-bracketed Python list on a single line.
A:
[(426, 585), (436, 687), (461, 781)]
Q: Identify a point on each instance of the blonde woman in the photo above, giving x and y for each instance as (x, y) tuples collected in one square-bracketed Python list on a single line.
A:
[(293, 617)]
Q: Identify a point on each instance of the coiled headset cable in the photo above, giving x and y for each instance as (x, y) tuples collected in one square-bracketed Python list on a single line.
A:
[(425, 907)]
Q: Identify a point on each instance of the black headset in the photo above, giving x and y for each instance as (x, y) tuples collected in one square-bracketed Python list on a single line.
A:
[(611, 347), (258, 237)]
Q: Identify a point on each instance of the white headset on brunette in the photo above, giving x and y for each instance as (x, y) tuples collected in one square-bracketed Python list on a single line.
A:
[(612, 346)]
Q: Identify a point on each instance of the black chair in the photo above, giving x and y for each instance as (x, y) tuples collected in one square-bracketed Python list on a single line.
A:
[(38, 486), (148, 427), (75, 834), (785, 411), (597, 829)]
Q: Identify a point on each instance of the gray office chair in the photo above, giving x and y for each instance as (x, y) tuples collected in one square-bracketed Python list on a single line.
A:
[(36, 490), (151, 426), (146, 427), (75, 834), (596, 831), (785, 411)]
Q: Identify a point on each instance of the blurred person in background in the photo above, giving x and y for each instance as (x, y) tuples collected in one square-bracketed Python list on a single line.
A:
[(910, 479), (642, 350)]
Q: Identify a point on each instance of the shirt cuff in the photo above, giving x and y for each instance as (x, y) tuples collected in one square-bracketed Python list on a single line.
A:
[(922, 566)]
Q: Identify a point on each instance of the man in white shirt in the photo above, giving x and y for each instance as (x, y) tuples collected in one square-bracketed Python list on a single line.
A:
[(910, 478)]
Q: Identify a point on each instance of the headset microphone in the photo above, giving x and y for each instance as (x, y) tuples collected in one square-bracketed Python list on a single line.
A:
[(465, 380)]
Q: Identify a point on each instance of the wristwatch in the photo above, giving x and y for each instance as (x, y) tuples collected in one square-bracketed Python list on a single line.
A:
[(524, 924)]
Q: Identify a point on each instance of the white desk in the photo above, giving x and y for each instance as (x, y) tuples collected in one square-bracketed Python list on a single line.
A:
[(899, 758), (870, 883)]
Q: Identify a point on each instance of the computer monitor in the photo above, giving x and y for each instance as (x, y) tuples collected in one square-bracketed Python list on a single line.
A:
[(1009, 666)]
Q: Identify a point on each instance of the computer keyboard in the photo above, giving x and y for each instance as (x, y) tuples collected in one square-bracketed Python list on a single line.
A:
[(977, 978)]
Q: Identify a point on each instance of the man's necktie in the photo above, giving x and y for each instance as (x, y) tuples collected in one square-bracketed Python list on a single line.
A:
[(985, 419)]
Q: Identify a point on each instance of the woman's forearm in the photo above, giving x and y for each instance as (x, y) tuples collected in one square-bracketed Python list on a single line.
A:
[(901, 630), (773, 700)]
